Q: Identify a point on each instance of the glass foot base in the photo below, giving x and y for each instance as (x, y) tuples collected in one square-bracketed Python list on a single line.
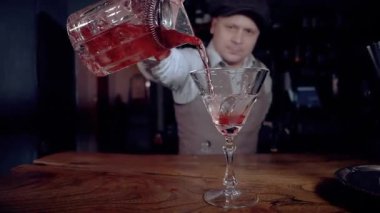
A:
[(235, 199)]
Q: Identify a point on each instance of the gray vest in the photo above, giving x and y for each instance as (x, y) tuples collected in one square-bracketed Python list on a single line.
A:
[(198, 135)]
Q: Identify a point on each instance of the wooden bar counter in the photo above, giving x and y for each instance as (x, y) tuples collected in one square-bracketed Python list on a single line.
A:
[(99, 182)]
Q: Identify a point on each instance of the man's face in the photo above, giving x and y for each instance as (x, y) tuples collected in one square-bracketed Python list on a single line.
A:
[(234, 37)]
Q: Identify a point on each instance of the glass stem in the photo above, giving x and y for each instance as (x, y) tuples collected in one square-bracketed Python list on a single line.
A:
[(229, 180)]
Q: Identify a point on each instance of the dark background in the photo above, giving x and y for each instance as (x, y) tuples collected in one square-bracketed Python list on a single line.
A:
[(314, 43)]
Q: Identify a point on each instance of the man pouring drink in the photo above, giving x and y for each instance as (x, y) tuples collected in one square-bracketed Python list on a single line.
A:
[(112, 35), (235, 29)]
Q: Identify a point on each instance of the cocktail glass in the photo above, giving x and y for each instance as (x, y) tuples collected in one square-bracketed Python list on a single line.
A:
[(229, 94)]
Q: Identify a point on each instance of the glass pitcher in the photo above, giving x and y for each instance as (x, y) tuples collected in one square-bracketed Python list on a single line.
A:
[(113, 34)]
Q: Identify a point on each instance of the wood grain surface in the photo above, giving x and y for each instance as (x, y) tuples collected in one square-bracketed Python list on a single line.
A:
[(98, 182)]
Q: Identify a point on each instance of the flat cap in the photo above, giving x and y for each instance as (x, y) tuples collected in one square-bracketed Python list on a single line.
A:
[(257, 10)]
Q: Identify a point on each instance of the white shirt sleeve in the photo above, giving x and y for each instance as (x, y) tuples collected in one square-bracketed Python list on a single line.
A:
[(174, 73)]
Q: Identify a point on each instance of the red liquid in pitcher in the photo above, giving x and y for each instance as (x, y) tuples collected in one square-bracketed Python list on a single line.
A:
[(127, 44)]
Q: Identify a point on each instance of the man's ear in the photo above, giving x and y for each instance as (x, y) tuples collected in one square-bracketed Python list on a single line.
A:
[(213, 23)]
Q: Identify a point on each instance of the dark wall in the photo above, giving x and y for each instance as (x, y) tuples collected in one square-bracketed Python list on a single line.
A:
[(56, 78), (18, 76), (37, 93), (18, 84)]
